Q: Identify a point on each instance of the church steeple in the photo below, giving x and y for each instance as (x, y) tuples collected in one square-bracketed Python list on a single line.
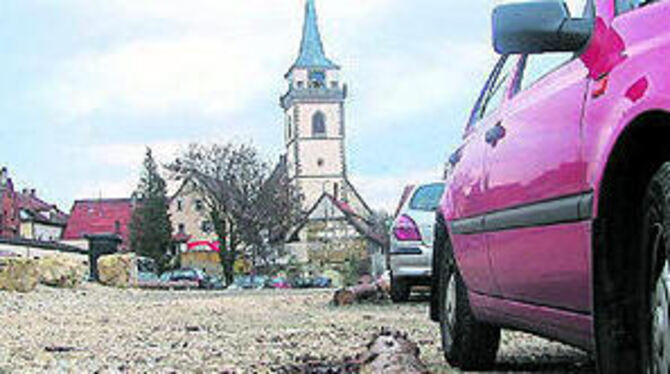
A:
[(312, 54), (315, 119)]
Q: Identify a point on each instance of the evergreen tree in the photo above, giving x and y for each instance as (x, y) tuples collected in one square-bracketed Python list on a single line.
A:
[(150, 227)]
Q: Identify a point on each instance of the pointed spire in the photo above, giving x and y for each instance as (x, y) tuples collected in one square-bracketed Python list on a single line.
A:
[(311, 48)]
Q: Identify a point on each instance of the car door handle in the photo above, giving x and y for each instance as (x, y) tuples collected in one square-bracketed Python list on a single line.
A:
[(495, 134)]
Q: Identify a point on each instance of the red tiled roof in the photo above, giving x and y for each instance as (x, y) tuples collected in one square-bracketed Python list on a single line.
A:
[(40, 210), (99, 217), (29, 201)]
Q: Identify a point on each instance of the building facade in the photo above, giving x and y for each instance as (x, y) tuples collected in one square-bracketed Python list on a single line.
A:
[(39, 220), (192, 227), (315, 122), (193, 233), (9, 210)]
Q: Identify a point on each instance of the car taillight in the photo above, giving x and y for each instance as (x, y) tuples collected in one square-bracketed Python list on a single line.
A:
[(405, 229)]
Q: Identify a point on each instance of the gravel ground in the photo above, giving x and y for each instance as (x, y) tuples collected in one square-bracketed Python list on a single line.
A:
[(101, 329)]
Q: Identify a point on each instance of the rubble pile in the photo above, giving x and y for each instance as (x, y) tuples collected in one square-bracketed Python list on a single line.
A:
[(118, 270), (61, 271), (18, 274)]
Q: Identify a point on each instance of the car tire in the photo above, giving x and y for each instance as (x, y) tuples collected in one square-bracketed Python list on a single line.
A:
[(467, 343), (400, 290), (655, 242)]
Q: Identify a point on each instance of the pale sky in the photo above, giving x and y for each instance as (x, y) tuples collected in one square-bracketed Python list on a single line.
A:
[(87, 84)]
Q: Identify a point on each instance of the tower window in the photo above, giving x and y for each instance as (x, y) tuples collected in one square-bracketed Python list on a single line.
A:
[(334, 84), (300, 84), (317, 78), (320, 162), (319, 124)]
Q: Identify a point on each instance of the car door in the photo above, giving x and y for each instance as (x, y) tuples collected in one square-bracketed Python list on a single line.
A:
[(536, 190), (466, 191)]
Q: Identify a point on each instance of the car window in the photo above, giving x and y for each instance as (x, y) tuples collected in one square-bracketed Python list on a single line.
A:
[(623, 6), (494, 91), (427, 198), (536, 67), (498, 88)]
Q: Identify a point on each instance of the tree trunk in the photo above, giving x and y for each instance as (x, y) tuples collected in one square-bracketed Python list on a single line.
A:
[(229, 267)]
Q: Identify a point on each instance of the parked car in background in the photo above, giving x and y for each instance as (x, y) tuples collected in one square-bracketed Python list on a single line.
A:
[(250, 282), (411, 249), (555, 218), (147, 276), (279, 283), (322, 282), (146, 272), (195, 276), (214, 283)]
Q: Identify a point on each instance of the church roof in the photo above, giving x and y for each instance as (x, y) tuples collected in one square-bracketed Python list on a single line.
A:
[(360, 224), (312, 54)]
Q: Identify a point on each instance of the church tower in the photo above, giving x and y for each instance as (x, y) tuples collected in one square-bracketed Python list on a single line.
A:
[(314, 120)]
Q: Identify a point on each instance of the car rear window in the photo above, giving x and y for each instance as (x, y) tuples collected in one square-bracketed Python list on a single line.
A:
[(427, 198)]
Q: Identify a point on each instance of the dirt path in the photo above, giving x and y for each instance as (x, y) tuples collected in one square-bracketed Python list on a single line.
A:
[(101, 329)]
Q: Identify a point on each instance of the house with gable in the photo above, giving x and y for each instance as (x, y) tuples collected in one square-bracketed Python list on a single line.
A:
[(333, 234), (39, 220), (193, 231)]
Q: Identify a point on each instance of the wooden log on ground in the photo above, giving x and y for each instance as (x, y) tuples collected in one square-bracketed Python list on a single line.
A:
[(363, 291), (391, 352)]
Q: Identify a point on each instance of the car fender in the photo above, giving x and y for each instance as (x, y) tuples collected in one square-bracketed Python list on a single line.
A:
[(604, 139)]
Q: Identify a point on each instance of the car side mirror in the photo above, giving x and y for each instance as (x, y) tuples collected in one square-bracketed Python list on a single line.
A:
[(538, 26)]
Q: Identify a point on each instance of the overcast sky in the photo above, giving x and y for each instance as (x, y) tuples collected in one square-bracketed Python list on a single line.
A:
[(85, 85)]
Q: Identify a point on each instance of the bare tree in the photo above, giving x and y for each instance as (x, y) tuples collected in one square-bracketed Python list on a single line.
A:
[(250, 205)]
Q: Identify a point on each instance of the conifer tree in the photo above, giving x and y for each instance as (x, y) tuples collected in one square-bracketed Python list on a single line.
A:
[(150, 227)]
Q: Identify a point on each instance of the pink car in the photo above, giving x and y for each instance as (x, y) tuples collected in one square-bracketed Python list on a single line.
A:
[(556, 219)]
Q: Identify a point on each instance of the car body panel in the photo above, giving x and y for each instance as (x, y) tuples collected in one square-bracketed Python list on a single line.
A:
[(572, 328), (540, 159), (540, 156), (545, 265), (465, 198), (472, 256)]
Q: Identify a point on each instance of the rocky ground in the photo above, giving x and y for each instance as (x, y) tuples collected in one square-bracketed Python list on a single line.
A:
[(94, 328)]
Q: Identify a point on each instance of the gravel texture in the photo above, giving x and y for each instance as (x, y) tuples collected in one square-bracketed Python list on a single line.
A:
[(98, 329)]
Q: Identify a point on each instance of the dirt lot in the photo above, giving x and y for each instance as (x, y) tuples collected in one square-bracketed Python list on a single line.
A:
[(100, 329)]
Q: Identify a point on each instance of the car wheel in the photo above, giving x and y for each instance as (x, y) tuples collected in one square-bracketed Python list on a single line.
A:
[(400, 290), (467, 343), (655, 242)]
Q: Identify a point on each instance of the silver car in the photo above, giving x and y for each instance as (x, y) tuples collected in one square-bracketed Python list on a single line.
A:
[(411, 250)]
